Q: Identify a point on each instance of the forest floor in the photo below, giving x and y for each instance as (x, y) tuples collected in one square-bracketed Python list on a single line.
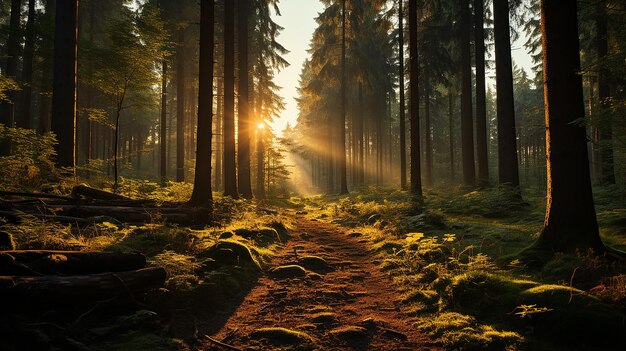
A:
[(341, 301)]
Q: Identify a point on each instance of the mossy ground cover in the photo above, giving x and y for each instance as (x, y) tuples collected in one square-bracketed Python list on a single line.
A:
[(455, 265), (205, 267)]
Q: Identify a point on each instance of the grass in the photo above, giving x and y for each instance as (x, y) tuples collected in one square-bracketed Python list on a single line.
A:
[(450, 264), (203, 270)]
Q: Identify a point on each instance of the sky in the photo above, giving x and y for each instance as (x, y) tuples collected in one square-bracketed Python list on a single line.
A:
[(298, 19)]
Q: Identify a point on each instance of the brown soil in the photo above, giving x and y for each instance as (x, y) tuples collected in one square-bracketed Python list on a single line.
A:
[(363, 312)]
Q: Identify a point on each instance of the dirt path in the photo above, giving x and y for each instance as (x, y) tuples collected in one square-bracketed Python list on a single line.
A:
[(348, 305)]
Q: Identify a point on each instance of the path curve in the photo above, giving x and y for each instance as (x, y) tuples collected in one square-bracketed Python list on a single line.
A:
[(354, 292)]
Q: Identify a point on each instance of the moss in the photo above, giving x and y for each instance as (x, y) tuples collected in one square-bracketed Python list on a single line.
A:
[(388, 247), (485, 294), (289, 271), (427, 297), (140, 341), (565, 315), (240, 251), (324, 318), (281, 336), (456, 331)]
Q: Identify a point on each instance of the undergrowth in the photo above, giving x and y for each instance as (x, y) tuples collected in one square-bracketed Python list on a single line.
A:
[(447, 262)]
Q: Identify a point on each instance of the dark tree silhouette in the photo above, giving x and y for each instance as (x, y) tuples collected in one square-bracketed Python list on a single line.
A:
[(481, 100), (416, 177), (243, 123), (180, 106), (24, 121), (202, 193), (64, 81), (402, 102), (343, 173), (507, 138), (230, 163), (570, 221), (467, 124), (163, 124)]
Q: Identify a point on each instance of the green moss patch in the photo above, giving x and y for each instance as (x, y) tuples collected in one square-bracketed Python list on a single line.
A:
[(456, 331), (230, 252), (324, 318), (558, 313)]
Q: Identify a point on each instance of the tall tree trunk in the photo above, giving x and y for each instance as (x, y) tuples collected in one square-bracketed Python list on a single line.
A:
[(507, 138), (416, 177), (46, 50), (343, 169), (260, 178), (359, 128), (402, 102), (202, 193), (467, 124), (7, 108), (163, 124), (243, 125), (570, 221), (428, 143), (482, 153), (230, 164), (27, 68), (218, 131), (604, 96), (451, 132), (180, 106), (64, 81)]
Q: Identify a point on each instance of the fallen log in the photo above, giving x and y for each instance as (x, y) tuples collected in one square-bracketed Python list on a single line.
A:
[(17, 216), (129, 214), (96, 194), (69, 289), (69, 262), (35, 195)]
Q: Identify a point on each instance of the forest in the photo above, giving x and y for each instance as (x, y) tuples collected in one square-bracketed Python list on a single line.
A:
[(437, 175)]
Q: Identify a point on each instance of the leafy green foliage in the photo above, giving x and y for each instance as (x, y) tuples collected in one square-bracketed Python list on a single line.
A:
[(30, 164), (6, 84)]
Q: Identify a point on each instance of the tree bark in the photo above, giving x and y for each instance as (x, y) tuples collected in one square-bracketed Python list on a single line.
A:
[(570, 221), (402, 102), (180, 107), (482, 152), (416, 177), (243, 125), (163, 124), (64, 82), (428, 143), (451, 132), (69, 289), (27, 69), (343, 169), (230, 163), (467, 124), (35, 262), (507, 138), (202, 193)]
